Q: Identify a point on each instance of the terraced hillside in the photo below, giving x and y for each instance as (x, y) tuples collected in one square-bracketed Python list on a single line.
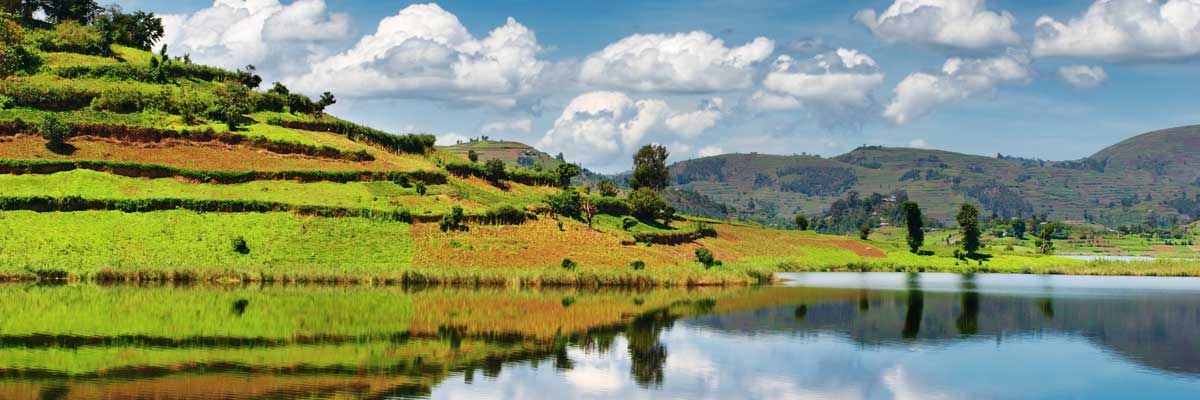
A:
[(1142, 178), (119, 164)]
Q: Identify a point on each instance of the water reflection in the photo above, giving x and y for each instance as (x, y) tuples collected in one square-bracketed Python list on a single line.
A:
[(885, 336)]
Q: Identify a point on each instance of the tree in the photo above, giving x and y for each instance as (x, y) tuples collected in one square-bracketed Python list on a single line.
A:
[(566, 172), (567, 203), (326, 100), (645, 204), (607, 188), (801, 222), (864, 231), (589, 211), (232, 105), (1045, 242), (1018, 228), (138, 30), (81, 11), (14, 56), (494, 170), (968, 226), (668, 215), (650, 168), (473, 156), (916, 232)]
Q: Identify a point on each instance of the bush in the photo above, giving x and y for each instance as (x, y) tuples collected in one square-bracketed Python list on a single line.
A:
[(453, 221), (72, 37), (239, 245), (494, 170), (505, 215), (645, 204), (421, 188), (54, 130), (567, 203), (628, 223), (704, 256), (569, 264), (607, 188), (14, 56), (473, 156), (5, 102), (637, 265), (412, 143)]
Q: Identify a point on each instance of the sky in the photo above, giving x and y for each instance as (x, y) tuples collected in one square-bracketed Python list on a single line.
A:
[(595, 80)]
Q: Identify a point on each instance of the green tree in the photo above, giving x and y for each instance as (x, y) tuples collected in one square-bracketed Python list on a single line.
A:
[(566, 172), (233, 103), (801, 222), (864, 231), (14, 56), (646, 204), (138, 30), (650, 168), (968, 226), (494, 169), (567, 203), (81, 11), (913, 220), (472, 155), (1018, 228), (1045, 242), (607, 188)]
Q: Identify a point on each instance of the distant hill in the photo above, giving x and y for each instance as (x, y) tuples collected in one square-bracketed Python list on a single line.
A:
[(514, 153), (1151, 176)]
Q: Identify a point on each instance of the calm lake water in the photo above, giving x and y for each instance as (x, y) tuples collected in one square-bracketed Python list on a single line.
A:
[(826, 336)]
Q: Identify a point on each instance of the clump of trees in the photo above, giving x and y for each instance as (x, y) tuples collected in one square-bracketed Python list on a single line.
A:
[(14, 56), (650, 168), (454, 221), (607, 188), (705, 257), (55, 131)]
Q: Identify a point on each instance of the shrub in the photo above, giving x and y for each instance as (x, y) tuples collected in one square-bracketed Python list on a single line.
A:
[(569, 264), (668, 215), (5, 102), (453, 221), (505, 215), (72, 37), (864, 231), (473, 156), (610, 205), (565, 172), (14, 56), (239, 245), (494, 170), (412, 143), (801, 222), (421, 188), (704, 256), (567, 203), (628, 223), (607, 188), (637, 265), (54, 130), (645, 204)]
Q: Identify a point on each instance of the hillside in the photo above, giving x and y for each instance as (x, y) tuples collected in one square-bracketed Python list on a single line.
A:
[(1129, 183), (122, 164)]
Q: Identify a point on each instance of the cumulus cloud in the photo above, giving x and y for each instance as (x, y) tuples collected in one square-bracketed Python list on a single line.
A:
[(953, 24), (522, 126), (425, 52), (1082, 76), (596, 126), (234, 33), (836, 86), (1124, 30), (960, 79), (451, 138), (919, 144), (682, 62), (709, 151)]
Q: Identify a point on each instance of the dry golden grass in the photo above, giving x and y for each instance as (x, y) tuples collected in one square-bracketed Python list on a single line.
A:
[(202, 156), (217, 386), (734, 242)]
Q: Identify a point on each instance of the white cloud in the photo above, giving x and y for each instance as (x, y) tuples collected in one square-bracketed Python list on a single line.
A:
[(234, 33), (918, 143), (709, 151), (522, 126), (1083, 76), (425, 52), (596, 126), (1124, 30), (450, 139), (682, 62), (837, 86), (955, 24), (960, 79)]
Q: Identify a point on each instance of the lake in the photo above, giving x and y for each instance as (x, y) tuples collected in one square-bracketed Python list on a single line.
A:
[(816, 335)]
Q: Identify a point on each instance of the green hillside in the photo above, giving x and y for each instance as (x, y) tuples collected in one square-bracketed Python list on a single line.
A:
[(1129, 183)]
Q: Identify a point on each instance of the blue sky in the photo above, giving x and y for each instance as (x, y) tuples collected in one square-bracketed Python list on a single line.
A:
[(1054, 80)]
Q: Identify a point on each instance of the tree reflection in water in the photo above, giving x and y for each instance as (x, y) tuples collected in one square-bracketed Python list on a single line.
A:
[(915, 310), (968, 314), (647, 354)]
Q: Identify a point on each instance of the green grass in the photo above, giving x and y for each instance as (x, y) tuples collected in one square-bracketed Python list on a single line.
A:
[(89, 244)]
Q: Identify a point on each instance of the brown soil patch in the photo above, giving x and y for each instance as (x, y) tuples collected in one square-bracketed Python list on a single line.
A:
[(202, 156)]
